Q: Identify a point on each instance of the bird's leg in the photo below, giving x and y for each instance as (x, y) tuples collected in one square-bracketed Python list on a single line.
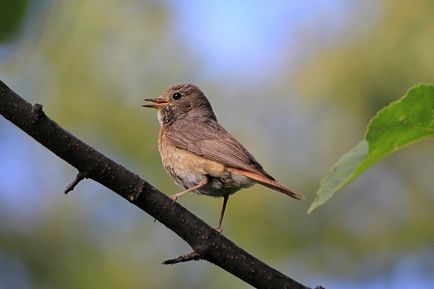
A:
[(222, 213), (202, 183)]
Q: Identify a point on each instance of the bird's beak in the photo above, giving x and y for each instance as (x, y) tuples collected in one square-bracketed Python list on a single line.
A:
[(157, 102)]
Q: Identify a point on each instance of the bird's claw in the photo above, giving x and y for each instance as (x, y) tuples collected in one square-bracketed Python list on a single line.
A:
[(174, 198), (219, 230)]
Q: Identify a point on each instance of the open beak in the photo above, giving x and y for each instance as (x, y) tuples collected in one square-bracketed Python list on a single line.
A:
[(156, 102)]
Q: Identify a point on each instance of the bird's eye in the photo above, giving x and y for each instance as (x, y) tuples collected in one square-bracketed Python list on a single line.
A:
[(176, 96)]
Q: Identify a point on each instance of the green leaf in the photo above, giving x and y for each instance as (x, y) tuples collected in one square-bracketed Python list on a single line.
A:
[(399, 124)]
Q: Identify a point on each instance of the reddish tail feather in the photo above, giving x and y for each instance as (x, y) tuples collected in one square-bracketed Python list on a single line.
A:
[(266, 182)]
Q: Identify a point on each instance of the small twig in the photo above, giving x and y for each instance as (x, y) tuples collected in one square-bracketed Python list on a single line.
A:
[(194, 256), (80, 176)]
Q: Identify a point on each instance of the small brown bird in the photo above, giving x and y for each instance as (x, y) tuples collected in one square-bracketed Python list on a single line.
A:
[(199, 154)]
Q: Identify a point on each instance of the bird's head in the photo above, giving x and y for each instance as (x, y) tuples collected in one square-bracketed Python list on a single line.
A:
[(179, 101)]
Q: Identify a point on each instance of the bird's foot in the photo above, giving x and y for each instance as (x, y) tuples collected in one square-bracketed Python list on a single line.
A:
[(174, 198), (219, 230)]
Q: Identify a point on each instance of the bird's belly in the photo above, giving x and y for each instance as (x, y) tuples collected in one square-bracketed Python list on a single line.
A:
[(226, 185), (188, 170)]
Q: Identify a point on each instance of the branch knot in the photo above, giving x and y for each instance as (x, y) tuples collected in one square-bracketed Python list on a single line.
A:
[(37, 113)]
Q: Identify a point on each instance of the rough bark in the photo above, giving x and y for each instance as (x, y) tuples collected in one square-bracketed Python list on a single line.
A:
[(205, 241)]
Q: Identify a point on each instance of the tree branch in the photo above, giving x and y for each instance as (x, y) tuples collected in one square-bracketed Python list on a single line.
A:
[(205, 241), (80, 176), (193, 256)]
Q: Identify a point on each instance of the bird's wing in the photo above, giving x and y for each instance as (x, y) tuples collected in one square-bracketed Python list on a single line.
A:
[(210, 140)]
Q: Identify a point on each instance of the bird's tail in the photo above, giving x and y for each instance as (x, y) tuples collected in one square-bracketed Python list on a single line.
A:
[(266, 182)]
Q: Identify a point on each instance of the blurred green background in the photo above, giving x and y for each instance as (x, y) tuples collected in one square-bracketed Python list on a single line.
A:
[(295, 81)]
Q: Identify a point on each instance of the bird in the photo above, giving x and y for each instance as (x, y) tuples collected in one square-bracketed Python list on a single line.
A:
[(199, 154)]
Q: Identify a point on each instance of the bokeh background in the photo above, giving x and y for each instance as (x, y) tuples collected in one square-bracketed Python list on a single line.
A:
[(295, 81)]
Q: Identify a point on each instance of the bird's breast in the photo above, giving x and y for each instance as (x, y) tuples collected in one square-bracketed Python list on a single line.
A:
[(188, 169)]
